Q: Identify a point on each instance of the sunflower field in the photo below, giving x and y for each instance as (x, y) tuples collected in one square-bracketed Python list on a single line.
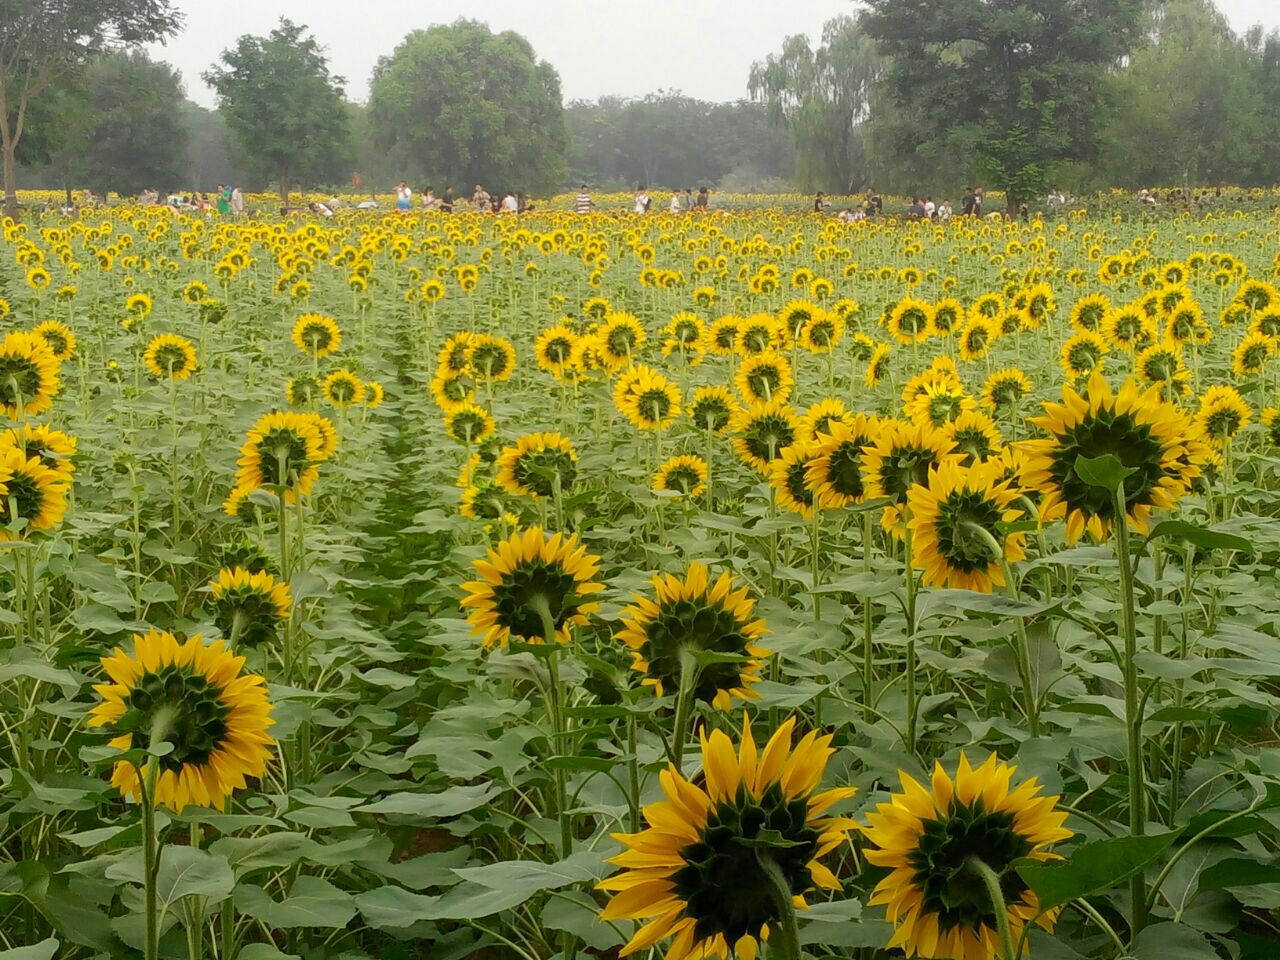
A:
[(402, 586)]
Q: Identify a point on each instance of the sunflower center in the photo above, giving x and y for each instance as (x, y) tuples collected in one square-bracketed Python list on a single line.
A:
[(722, 883), (695, 625), (794, 482), (768, 437), (764, 381), (654, 405), (948, 885), (518, 597), (713, 414), (281, 448), (489, 359), (199, 721), (558, 351), (535, 471), (964, 547), (844, 469), (26, 496), (904, 468), (1120, 435), (682, 479), (19, 379)]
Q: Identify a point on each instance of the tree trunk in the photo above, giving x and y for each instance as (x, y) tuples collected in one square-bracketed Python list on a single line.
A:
[(10, 178), (1011, 206)]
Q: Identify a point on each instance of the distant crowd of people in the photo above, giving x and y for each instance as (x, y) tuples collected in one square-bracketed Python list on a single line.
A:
[(920, 208)]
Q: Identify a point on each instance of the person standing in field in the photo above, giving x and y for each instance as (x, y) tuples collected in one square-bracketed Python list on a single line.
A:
[(673, 207), (446, 200), (429, 199), (224, 200), (404, 197), (583, 203), (237, 201), (642, 200), (481, 199), (704, 199)]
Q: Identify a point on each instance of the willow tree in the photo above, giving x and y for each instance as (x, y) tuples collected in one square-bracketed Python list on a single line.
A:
[(823, 96)]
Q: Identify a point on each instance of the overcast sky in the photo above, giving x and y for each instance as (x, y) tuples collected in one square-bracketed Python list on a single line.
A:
[(632, 47)]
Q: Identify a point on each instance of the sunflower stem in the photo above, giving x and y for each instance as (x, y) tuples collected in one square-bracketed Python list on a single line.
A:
[(150, 847), (868, 645), (998, 906), (684, 707), (815, 544), (554, 708), (1132, 708), (909, 577), (785, 934)]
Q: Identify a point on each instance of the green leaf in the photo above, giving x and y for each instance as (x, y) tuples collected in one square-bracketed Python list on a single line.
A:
[(44, 950), (1205, 537), (264, 951), (1092, 867), (578, 913), (312, 902), (1105, 471), (1170, 941), (448, 803), (394, 908), (944, 602), (184, 871), (769, 840), (1238, 872)]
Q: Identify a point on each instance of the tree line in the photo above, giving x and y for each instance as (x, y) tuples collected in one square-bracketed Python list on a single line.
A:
[(909, 95)]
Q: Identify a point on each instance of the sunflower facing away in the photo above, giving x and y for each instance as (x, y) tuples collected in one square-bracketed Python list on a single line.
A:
[(342, 388), (1223, 413), (900, 457), (59, 338), (170, 357), (54, 448), (535, 462), (28, 375), (1154, 438), (763, 431), (282, 449), (684, 475), (526, 576), (788, 476), (218, 718), (249, 606), (317, 335), (835, 472), (928, 837), (956, 521), (701, 872), (31, 493)]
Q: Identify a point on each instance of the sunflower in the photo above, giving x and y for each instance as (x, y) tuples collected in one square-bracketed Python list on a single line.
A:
[(706, 871), (554, 350), (712, 408), (61, 341), (1266, 322), (956, 520), (975, 435), (469, 424), (793, 318), (763, 431), (375, 393), (38, 278), (532, 466), (1088, 312), (723, 335), (1223, 413), (1127, 328), (877, 366), (1162, 364), (249, 606), (281, 450), (684, 475), (818, 419), (28, 375), (764, 376), (787, 476), (1252, 354), (1004, 388), (939, 401), (1153, 438), (911, 320), (169, 356), (835, 471), (529, 582), (53, 448), (620, 339), (218, 718), (342, 388), (1082, 354), (492, 358), (758, 333), (928, 836), (646, 398), (317, 335), (455, 354), (988, 306), (823, 332), (32, 493), (195, 291), (898, 458)]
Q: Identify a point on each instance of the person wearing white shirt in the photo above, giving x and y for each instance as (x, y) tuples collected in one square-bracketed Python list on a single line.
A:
[(642, 201), (404, 197), (674, 206), (509, 203)]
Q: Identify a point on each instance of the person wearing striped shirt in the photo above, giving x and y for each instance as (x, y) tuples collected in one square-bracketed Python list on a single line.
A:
[(583, 203)]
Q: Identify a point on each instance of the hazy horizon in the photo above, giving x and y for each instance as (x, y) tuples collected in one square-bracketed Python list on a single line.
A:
[(704, 49)]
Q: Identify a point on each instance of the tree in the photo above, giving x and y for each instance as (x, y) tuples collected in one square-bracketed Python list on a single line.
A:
[(1183, 103), (1016, 84), (44, 40), (822, 97), (283, 107), (209, 158), (458, 104)]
